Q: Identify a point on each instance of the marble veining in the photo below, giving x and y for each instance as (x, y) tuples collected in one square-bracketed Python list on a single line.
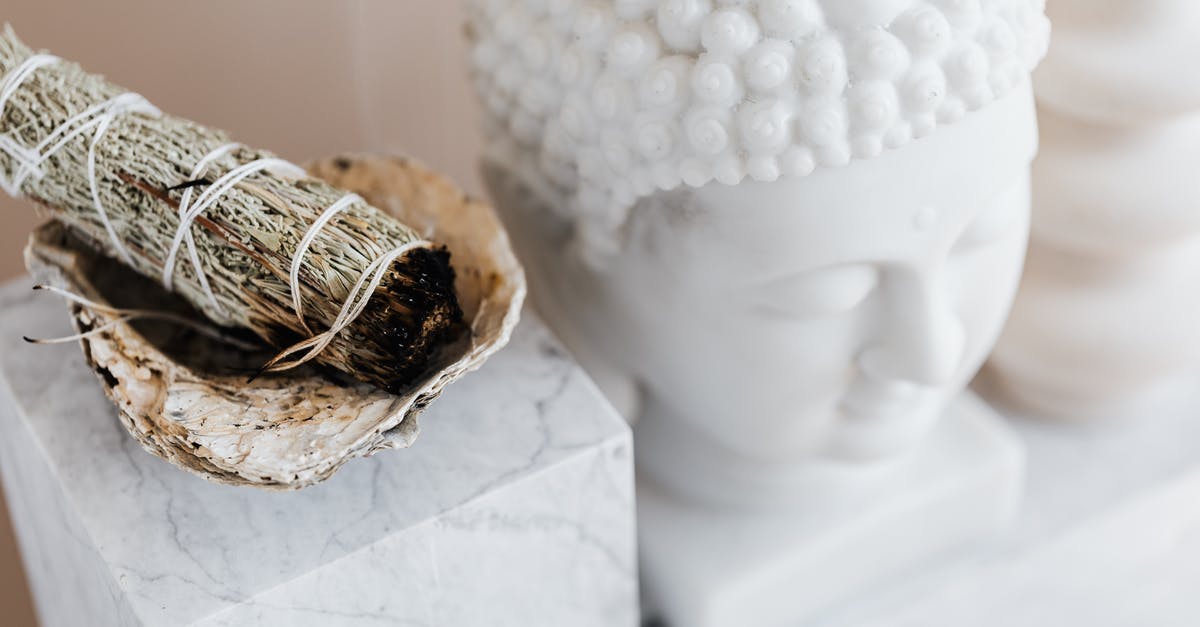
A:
[(521, 456)]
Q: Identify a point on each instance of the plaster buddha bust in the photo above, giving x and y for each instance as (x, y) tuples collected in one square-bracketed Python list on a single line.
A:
[(784, 231), (782, 235)]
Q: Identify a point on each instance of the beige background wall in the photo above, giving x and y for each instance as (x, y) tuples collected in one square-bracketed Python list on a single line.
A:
[(302, 77)]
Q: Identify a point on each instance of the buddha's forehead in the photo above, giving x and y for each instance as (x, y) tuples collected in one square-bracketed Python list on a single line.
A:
[(828, 205), (836, 12), (793, 226), (868, 211), (938, 182)]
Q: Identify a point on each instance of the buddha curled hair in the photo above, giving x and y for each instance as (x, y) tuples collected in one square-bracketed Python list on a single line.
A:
[(609, 101)]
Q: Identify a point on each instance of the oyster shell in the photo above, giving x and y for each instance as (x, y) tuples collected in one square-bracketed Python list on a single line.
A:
[(189, 400)]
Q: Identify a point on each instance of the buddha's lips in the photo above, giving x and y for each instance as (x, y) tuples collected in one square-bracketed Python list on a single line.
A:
[(874, 400)]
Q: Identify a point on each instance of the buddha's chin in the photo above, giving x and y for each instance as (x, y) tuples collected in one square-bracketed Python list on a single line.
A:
[(884, 432)]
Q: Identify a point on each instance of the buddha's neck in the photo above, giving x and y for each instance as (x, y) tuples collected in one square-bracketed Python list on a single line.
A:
[(678, 456)]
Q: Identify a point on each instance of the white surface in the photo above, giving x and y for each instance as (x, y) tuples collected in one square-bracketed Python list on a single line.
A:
[(703, 567), (515, 507), (1108, 536), (1133, 566)]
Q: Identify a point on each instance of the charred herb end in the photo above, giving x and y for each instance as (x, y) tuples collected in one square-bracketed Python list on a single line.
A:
[(414, 313)]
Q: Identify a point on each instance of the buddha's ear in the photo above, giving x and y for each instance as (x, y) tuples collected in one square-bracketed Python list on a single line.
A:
[(526, 204), (622, 388)]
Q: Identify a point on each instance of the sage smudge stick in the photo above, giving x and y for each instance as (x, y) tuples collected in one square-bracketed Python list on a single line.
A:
[(117, 172)]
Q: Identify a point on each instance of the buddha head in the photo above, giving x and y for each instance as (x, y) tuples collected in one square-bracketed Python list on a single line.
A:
[(796, 226)]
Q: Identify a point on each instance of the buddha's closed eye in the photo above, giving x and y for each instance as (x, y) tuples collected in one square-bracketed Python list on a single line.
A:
[(822, 292)]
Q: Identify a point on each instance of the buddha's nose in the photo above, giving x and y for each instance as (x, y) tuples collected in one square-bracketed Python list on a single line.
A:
[(920, 338)]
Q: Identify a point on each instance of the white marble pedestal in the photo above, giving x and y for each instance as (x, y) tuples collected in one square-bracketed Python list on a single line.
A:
[(515, 507), (703, 567), (1108, 535)]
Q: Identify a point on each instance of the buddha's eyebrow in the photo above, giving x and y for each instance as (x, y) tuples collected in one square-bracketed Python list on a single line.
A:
[(990, 223), (837, 265)]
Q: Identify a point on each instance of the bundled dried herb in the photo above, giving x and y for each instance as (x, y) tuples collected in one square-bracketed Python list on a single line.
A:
[(375, 300)]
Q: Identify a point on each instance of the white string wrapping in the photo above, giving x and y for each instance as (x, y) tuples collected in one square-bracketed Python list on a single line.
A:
[(214, 193), (168, 279), (21, 73), (125, 103), (126, 315), (356, 303), (309, 236), (23, 158), (12, 80), (28, 163), (44, 150), (99, 116)]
